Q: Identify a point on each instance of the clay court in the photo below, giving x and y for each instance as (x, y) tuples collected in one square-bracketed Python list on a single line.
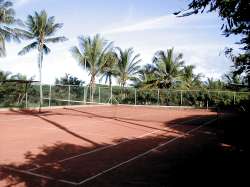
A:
[(78, 146)]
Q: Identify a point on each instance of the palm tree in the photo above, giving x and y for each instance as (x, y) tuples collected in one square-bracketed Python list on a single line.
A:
[(90, 55), (7, 19), (109, 68), (167, 68), (145, 76), (189, 79), (41, 30), (128, 66)]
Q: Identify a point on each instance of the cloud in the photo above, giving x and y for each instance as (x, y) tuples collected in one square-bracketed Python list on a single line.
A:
[(164, 22), (19, 3)]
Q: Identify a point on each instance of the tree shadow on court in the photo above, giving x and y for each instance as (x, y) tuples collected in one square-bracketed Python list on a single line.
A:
[(197, 159), (59, 126)]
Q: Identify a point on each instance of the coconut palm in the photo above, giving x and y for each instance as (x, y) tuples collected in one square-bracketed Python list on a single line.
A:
[(109, 69), (7, 20), (146, 76), (167, 68), (189, 79), (90, 55), (127, 66), (41, 30)]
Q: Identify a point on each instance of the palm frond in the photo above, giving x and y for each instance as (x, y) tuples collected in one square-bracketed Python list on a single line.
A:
[(28, 48), (55, 39)]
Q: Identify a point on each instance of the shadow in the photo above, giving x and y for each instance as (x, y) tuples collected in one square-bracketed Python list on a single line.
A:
[(199, 159), (59, 126), (124, 120)]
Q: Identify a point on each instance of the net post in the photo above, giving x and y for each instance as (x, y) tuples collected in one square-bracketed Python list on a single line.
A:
[(50, 95), (181, 98), (158, 97), (69, 96), (135, 96), (99, 94)]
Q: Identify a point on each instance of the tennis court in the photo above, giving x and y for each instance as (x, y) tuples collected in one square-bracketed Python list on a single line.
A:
[(76, 145)]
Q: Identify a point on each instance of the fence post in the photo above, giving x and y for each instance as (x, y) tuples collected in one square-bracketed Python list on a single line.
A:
[(181, 97), (111, 95), (158, 97), (69, 96), (234, 98), (135, 96), (99, 94), (49, 95), (26, 100)]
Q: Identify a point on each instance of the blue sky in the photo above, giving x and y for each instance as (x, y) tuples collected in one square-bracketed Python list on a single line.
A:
[(146, 25)]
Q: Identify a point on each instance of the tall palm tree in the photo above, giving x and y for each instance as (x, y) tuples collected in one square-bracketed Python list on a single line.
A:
[(90, 55), (41, 30), (128, 66), (145, 76), (189, 79), (109, 69), (167, 68), (7, 20)]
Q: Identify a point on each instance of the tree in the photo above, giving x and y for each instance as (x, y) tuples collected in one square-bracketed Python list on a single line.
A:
[(189, 79), (69, 80), (128, 66), (109, 68), (41, 30), (146, 76), (7, 20), (236, 17), (167, 68), (90, 55)]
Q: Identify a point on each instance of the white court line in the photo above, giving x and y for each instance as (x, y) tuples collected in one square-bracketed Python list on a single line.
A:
[(39, 175), (112, 145), (17, 119), (110, 169), (145, 153)]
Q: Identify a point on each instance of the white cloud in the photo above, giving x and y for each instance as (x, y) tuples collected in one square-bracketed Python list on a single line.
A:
[(20, 3), (163, 22)]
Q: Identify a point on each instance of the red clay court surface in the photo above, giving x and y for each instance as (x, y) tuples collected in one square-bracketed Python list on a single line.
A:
[(73, 146)]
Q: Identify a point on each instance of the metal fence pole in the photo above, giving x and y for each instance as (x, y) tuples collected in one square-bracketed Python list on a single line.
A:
[(111, 94), (234, 98), (135, 96), (181, 97), (49, 95), (69, 96), (26, 100), (158, 97), (99, 89)]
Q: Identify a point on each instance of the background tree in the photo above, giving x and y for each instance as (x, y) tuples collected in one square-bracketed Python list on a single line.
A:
[(7, 20), (90, 55), (167, 68), (41, 30), (69, 80), (236, 17), (128, 66), (189, 79), (109, 68)]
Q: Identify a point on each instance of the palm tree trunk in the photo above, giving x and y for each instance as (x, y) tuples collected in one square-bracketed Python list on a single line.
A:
[(40, 78)]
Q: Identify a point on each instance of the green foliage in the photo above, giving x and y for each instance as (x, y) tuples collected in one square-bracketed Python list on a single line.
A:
[(235, 14), (7, 21), (127, 66), (69, 80)]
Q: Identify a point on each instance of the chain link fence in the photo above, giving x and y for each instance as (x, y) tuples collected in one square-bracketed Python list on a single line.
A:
[(16, 95)]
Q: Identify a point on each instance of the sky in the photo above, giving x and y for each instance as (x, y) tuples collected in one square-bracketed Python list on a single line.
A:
[(145, 25)]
